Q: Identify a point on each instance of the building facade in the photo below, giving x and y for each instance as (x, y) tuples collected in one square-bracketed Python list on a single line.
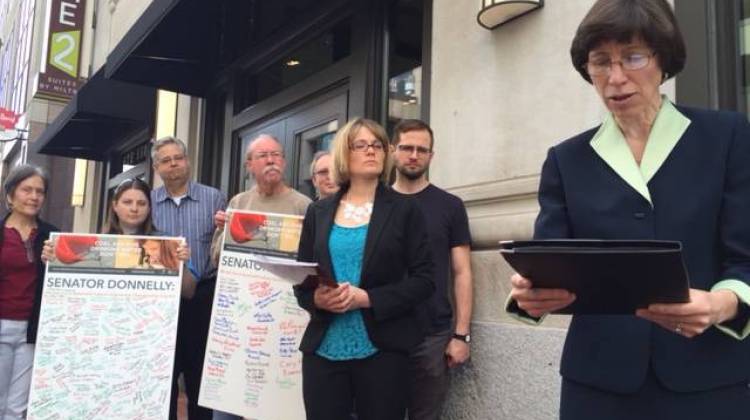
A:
[(37, 37), (218, 73)]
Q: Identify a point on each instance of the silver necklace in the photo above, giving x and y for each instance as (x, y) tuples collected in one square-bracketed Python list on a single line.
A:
[(357, 214)]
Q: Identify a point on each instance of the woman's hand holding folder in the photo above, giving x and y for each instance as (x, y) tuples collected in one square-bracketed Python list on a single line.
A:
[(704, 310), (538, 302)]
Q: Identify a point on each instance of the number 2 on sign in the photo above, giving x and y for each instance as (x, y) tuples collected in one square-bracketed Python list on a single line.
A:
[(63, 49)]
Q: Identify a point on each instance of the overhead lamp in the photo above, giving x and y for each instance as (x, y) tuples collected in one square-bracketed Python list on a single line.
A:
[(494, 13), (292, 63)]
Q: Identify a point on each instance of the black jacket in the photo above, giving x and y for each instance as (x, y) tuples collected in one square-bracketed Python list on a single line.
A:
[(397, 269), (42, 234), (701, 197)]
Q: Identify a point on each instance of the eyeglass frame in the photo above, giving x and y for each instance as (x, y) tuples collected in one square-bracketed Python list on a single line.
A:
[(361, 146), (275, 154), (167, 160), (421, 150), (322, 172), (607, 70), (29, 190)]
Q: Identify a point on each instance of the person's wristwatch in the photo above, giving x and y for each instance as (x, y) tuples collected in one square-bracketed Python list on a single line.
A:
[(465, 338)]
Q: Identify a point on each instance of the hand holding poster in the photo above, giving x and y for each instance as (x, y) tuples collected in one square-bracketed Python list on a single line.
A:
[(253, 366), (107, 328), (267, 234)]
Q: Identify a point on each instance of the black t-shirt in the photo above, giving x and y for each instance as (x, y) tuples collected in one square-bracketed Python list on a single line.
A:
[(448, 227)]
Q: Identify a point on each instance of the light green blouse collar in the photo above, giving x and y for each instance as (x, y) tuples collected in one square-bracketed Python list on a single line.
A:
[(609, 143)]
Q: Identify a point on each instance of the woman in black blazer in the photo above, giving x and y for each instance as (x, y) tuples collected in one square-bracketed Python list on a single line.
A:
[(652, 170), (373, 242), (22, 236)]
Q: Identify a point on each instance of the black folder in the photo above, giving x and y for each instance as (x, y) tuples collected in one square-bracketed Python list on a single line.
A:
[(608, 277)]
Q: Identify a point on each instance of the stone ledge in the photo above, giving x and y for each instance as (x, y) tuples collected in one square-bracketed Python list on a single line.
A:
[(500, 210), (498, 191)]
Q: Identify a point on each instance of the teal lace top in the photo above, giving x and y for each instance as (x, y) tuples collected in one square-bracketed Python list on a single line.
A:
[(346, 337)]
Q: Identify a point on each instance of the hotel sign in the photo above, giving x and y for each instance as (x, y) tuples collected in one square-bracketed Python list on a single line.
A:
[(59, 78)]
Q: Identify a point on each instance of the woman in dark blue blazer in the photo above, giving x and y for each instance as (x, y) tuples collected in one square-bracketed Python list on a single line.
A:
[(652, 170), (373, 242)]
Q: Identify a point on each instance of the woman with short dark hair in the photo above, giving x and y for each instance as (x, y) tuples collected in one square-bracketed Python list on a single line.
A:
[(21, 272), (652, 170)]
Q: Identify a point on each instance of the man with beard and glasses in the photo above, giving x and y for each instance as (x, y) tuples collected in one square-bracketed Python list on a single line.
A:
[(265, 162), (184, 208), (446, 344)]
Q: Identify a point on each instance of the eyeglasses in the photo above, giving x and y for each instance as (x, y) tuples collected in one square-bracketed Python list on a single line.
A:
[(409, 149), (266, 155), (322, 172), (602, 65), (28, 190), (169, 159), (361, 146)]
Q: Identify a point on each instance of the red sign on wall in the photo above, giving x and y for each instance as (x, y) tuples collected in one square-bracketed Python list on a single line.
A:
[(8, 119)]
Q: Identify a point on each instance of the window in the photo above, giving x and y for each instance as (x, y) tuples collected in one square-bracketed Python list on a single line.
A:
[(310, 142), (405, 33), (310, 58), (20, 43), (249, 24)]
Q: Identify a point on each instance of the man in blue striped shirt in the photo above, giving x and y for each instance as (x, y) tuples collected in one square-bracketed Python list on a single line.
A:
[(185, 208)]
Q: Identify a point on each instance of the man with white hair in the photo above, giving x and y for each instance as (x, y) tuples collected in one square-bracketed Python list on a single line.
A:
[(265, 161)]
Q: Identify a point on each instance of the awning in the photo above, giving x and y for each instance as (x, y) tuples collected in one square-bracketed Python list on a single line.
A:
[(101, 115), (174, 45)]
